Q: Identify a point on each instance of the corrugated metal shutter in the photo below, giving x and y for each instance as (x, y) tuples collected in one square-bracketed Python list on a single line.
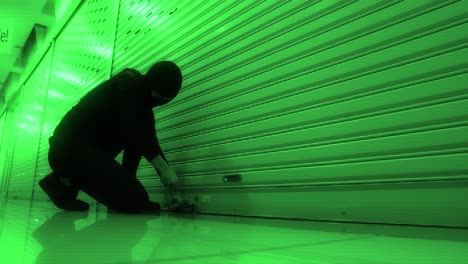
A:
[(81, 60), (28, 133), (11, 117), (12, 121), (4, 135), (2, 127), (40, 80), (309, 93), (22, 163), (2, 155)]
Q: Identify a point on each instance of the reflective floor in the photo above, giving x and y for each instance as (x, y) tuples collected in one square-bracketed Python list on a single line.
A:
[(36, 232)]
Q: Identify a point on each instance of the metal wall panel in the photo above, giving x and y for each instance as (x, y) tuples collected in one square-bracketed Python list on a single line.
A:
[(24, 153), (40, 78), (11, 118), (304, 93), (4, 133), (81, 60), (2, 127), (28, 132)]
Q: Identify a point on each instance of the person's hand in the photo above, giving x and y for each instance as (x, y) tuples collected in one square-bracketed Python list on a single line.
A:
[(175, 199), (177, 203), (169, 178)]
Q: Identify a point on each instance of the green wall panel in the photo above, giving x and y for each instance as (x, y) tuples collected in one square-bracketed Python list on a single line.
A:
[(7, 147), (3, 145), (28, 131)]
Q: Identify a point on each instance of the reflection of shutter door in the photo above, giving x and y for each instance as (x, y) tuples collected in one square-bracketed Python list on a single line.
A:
[(309, 93)]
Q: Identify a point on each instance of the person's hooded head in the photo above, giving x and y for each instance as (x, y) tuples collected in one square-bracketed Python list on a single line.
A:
[(165, 79)]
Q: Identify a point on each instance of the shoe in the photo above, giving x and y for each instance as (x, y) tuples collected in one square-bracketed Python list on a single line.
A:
[(63, 197)]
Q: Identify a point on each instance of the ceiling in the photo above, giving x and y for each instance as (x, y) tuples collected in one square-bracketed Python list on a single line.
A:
[(19, 18)]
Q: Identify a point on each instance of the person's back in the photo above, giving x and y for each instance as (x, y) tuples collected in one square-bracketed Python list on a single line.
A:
[(97, 118)]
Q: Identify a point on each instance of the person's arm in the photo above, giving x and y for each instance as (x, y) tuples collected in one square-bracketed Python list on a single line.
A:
[(159, 164), (166, 173), (170, 180), (131, 160)]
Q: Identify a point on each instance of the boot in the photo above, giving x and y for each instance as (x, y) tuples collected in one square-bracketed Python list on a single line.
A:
[(63, 197)]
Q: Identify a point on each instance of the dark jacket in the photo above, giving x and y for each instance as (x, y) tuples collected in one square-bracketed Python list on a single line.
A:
[(116, 115)]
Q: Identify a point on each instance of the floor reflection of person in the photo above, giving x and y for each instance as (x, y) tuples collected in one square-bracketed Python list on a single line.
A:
[(110, 240)]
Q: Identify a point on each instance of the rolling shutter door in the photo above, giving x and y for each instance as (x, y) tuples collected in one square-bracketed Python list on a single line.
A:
[(300, 96)]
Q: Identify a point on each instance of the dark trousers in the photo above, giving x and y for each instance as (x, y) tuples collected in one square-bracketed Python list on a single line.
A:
[(100, 176)]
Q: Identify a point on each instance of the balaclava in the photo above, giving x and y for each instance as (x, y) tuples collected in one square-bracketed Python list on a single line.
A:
[(164, 78)]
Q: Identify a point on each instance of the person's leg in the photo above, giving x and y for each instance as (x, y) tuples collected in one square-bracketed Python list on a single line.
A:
[(63, 194), (105, 180), (64, 197)]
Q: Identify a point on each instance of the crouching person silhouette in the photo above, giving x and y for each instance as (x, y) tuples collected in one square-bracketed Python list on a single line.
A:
[(116, 115)]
